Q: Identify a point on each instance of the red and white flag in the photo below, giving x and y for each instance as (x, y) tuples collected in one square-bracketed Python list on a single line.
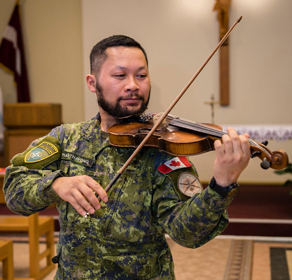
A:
[(12, 55), (173, 164)]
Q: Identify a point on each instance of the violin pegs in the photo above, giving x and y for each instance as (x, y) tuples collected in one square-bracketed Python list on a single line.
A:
[(265, 164), (254, 154), (265, 142)]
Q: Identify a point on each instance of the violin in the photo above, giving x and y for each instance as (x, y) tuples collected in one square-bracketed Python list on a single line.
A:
[(180, 137)]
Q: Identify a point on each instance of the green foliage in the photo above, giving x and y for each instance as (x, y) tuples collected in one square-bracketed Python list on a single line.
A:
[(287, 169)]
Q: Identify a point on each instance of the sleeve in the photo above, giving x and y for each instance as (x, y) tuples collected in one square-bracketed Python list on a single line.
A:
[(189, 221), (28, 180)]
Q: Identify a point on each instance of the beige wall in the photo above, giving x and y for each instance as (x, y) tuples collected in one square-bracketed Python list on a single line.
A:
[(53, 46), (178, 35)]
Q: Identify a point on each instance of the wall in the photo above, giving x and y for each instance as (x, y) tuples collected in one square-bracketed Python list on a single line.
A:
[(53, 47), (179, 35)]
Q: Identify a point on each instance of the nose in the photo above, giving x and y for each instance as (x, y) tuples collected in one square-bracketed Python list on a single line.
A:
[(131, 84)]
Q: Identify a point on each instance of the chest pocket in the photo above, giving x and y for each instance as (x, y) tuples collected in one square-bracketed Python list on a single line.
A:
[(66, 210), (128, 215)]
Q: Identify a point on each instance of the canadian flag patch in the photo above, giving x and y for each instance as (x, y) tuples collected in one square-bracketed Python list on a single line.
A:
[(173, 164)]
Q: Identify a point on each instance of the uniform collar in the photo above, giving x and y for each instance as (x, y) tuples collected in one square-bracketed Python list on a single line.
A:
[(91, 129)]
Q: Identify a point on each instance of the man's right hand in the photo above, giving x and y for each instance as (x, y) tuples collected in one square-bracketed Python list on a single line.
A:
[(79, 192)]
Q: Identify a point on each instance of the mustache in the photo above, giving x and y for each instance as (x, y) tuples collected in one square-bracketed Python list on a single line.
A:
[(131, 95)]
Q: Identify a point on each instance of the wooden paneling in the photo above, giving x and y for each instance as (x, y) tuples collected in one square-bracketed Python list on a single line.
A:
[(32, 114)]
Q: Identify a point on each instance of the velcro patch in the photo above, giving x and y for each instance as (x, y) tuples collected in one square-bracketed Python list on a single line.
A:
[(40, 152), (189, 184), (185, 182), (46, 151), (174, 164)]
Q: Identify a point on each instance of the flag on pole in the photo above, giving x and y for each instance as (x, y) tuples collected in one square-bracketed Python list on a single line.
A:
[(12, 55)]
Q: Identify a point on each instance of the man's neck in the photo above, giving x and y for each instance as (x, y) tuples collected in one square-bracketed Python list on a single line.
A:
[(106, 120)]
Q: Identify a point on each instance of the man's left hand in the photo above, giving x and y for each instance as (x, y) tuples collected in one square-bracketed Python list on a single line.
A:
[(232, 157)]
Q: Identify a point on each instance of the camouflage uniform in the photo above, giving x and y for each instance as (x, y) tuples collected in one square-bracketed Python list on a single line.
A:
[(125, 239)]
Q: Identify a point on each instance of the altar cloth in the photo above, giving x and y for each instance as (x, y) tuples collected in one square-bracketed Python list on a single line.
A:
[(278, 132)]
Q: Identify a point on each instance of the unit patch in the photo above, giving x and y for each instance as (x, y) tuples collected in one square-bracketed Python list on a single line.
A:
[(40, 152), (188, 184), (174, 164)]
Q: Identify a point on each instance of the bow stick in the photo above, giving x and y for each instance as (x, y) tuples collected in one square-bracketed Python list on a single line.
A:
[(160, 120)]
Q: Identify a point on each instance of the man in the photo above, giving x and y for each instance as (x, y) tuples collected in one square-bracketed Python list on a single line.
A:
[(123, 235)]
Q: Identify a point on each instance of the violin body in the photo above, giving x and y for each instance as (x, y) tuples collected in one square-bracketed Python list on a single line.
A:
[(183, 138), (171, 140)]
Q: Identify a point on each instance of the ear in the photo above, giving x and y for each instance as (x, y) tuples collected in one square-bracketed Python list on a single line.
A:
[(91, 82)]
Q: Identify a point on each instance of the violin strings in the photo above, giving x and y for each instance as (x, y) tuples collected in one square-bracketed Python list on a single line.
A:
[(197, 127), (211, 131)]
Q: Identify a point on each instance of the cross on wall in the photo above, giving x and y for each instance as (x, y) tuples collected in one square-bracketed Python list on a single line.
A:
[(222, 8)]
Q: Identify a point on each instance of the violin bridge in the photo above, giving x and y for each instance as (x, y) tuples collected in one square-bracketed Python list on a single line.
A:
[(145, 117)]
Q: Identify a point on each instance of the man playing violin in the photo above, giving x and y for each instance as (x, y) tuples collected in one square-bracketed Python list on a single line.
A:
[(122, 235)]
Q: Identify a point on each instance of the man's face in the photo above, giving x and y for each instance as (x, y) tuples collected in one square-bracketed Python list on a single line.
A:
[(123, 85)]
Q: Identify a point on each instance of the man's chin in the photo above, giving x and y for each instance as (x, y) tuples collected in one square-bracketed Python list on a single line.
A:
[(133, 109)]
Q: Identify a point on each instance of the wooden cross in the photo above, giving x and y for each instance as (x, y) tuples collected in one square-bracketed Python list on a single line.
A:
[(222, 8)]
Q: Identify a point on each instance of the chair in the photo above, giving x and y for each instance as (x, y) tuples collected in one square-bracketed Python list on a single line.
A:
[(35, 226), (6, 257)]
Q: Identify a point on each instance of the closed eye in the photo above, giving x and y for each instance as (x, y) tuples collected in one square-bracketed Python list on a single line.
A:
[(120, 76), (142, 76)]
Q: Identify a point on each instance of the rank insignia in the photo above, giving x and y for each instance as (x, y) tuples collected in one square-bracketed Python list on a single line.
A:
[(40, 152)]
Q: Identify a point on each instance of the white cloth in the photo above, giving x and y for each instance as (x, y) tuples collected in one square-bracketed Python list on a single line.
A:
[(279, 132)]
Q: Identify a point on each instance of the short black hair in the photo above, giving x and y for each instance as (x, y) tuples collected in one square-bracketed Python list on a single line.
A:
[(98, 54)]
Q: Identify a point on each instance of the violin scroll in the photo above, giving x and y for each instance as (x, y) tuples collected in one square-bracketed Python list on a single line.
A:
[(276, 160), (279, 159)]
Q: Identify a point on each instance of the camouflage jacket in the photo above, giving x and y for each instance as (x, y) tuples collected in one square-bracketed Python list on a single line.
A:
[(125, 239)]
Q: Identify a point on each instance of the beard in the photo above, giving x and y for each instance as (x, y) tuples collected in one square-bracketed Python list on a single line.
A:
[(116, 110)]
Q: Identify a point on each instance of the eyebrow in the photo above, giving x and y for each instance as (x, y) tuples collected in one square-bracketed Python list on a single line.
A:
[(125, 68)]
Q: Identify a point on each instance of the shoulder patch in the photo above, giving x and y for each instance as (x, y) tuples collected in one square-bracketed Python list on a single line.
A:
[(189, 184), (174, 164), (43, 153), (40, 152)]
